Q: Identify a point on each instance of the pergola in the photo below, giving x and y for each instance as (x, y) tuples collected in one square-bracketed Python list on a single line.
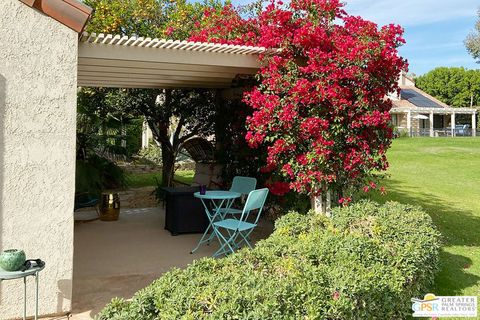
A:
[(446, 111), (106, 60), (137, 62)]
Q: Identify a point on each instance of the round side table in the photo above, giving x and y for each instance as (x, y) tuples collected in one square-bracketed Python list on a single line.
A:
[(33, 271), (220, 199)]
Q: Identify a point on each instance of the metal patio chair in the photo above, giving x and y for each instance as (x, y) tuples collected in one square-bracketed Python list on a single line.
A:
[(87, 200), (243, 185), (237, 231)]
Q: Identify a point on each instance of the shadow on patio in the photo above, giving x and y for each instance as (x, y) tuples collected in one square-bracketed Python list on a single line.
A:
[(116, 259)]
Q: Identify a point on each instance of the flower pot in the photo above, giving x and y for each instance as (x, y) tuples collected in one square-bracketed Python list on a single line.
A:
[(12, 259)]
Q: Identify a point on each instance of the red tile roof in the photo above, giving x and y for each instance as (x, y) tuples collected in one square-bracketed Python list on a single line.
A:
[(71, 13)]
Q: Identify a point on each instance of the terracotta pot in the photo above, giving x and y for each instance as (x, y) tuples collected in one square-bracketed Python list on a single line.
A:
[(12, 259)]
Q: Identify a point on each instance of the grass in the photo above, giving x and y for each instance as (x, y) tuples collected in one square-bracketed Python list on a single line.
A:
[(443, 176), (139, 180)]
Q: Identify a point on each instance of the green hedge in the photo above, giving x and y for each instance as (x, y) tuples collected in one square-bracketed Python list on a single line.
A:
[(367, 262)]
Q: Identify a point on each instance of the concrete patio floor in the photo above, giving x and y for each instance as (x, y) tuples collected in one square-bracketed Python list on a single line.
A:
[(116, 259)]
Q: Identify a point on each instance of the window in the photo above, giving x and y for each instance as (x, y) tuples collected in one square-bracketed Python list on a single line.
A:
[(395, 119)]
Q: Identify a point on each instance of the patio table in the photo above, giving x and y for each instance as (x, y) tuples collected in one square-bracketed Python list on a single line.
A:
[(32, 271), (183, 212), (219, 199)]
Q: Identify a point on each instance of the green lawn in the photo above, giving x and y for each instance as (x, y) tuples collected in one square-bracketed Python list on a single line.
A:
[(443, 176), (138, 180)]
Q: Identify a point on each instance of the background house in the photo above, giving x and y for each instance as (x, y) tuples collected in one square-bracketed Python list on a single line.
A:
[(417, 113)]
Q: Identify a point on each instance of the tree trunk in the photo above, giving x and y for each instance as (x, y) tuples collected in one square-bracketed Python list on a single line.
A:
[(322, 203), (123, 142), (168, 165), (316, 203), (160, 135)]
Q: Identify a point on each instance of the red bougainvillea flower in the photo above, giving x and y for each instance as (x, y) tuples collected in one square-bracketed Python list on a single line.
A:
[(383, 191), (278, 188), (345, 201), (320, 106)]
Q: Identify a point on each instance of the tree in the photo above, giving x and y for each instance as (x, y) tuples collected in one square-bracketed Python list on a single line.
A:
[(190, 112), (472, 42), (457, 87), (173, 115), (320, 107), (173, 19), (109, 132)]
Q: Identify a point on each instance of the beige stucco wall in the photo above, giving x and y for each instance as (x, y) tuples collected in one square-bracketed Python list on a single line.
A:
[(37, 152)]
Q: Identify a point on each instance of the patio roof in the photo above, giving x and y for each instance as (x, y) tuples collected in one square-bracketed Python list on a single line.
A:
[(416, 101), (107, 60), (433, 110)]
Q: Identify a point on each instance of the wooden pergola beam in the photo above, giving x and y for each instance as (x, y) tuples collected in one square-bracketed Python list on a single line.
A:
[(137, 62)]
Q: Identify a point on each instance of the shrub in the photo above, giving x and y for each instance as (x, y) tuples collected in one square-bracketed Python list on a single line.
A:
[(97, 173), (152, 155), (367, 262)]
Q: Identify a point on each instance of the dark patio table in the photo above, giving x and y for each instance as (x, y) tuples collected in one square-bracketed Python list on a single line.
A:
[(183, 212)]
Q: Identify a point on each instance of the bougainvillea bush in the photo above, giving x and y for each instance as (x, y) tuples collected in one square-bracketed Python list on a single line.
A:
[(367, 262), (320, 106)]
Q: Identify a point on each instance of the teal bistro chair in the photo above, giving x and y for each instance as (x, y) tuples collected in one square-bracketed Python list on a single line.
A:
[(86, 200), (243, 185), (237, 231)]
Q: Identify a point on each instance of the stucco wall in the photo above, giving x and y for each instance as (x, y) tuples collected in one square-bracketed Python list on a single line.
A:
[(37, 152)]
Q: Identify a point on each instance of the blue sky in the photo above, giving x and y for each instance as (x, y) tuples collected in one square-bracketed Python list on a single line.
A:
[(434, 29)]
